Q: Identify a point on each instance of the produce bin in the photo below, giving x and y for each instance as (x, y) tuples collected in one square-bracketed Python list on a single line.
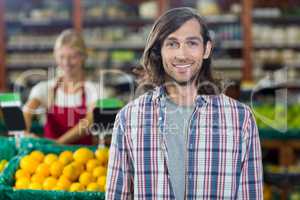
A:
[(7, 181), (7, 148)]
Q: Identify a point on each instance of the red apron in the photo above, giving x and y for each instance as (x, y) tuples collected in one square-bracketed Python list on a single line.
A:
[(61, 119)]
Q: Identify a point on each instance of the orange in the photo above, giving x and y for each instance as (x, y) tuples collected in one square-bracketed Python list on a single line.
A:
[(49, 183), (21, 173), (35, 186), (70, 172), (99, 171), (38, 178), (28, 164), (102, 155), (91, 164), (43, 169), (63, 183), (63, 177), (101, 182), (76, 187), (22, 183), (56, 168), (86, 178), (79, 167), (83, 154), (93, 187), (50, 158), (66, 157), (37, 155)]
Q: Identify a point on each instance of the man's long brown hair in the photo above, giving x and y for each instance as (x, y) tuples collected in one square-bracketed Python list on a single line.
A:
[(152, 60)]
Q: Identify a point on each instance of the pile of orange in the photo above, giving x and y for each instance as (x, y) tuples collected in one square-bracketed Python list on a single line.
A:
[(82, 170)]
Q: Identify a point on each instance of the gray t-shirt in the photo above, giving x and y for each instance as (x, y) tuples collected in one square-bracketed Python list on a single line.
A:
[(177, 121)]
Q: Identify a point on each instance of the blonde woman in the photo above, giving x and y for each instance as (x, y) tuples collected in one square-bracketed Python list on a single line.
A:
[(67, 98)]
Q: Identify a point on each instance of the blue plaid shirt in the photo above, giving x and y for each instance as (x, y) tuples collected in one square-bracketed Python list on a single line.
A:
[(223, 151)]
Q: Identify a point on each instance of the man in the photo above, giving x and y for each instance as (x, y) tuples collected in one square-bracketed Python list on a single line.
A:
[(185, 139)]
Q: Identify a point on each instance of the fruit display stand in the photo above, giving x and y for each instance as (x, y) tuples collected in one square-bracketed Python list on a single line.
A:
[(8, 185), (286, 143), (27, 143), (7, 151), (7, 148), (285, 175)]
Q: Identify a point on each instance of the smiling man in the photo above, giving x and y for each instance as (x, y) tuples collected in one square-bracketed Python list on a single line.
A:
[(185, 139)]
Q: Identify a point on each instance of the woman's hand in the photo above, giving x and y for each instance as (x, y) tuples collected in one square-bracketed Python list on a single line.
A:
[(60, 141), (29, 134)]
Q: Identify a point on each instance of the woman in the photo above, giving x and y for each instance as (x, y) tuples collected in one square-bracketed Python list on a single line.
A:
[(67, 98)]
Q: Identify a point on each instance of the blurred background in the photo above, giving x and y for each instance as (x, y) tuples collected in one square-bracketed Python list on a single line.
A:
[(256, 51)]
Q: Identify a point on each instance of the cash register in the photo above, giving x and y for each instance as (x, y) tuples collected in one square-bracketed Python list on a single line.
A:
[(104, 115)]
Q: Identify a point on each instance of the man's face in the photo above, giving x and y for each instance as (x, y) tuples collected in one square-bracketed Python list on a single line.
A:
[(183, 52)]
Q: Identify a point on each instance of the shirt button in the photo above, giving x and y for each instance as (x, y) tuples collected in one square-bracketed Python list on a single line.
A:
[(190, 177), (191, 146)]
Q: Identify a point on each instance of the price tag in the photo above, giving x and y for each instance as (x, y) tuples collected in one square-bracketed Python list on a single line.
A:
[(10, 99)]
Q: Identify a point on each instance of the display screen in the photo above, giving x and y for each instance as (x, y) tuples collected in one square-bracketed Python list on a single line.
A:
[(13, 118)]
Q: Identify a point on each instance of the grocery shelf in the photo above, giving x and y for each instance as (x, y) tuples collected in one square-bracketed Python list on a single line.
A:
[(279, 46), (284, 20), (100, 47), (117, 22), (238, 44), (231, 44), (222, 19), (282, 179), (34, 24), (277, 86), (89, 66), (295, 65), (227, 63), (29, 48), (77, 20), (119, 46), (268, 133), (25, 66)]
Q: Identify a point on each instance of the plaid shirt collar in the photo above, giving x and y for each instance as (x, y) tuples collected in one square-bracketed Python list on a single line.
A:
[(201, 100)]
